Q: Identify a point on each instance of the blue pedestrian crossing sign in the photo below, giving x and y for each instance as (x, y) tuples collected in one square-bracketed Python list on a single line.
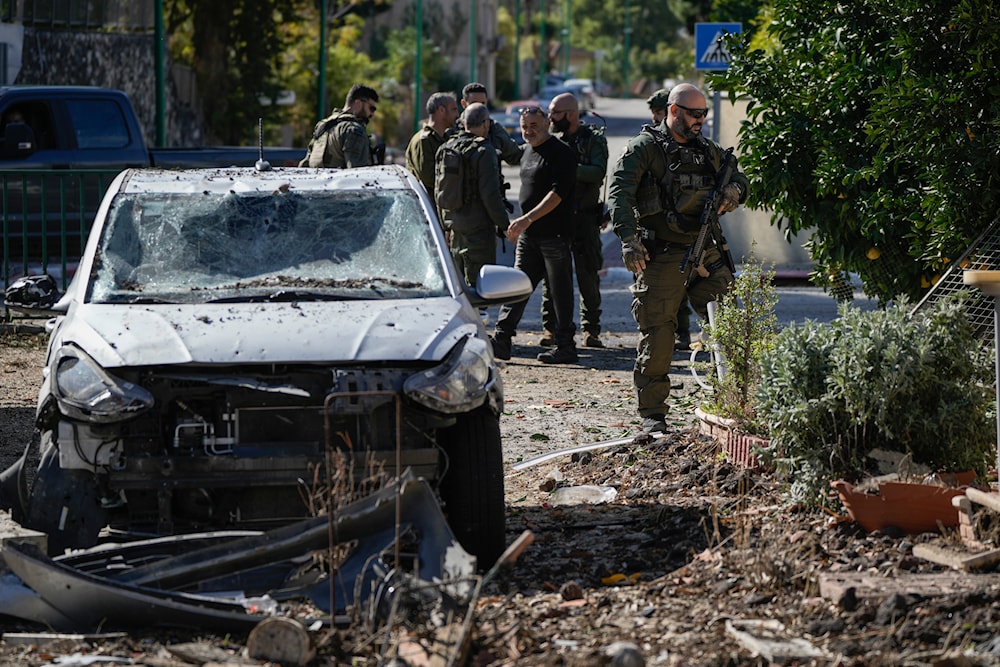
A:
[(709, 51)]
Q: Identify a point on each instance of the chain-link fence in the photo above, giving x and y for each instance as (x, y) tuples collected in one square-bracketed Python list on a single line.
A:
[(982, 254)]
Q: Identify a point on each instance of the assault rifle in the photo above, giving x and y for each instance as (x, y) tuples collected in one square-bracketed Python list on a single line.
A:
[(693, 260)]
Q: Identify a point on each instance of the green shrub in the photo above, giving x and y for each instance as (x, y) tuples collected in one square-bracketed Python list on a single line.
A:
[(831, 393), (744, 328)]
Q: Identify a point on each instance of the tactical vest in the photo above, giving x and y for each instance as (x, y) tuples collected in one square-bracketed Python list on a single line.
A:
[(688, 177), (315, 159)]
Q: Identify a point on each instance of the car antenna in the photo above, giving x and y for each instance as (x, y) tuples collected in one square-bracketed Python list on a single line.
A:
[(262, 164)]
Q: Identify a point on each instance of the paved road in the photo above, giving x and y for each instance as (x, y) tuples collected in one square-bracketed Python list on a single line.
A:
[(623, 119)]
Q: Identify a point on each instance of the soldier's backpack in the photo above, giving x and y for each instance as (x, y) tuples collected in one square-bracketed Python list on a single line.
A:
[(319, 135), (454, 182)]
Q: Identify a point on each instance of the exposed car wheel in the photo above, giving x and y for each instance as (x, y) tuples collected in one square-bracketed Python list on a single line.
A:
[(472, 487), (64, 504)]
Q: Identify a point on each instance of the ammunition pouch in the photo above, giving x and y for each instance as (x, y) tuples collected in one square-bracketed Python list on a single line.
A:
[(647, 197)]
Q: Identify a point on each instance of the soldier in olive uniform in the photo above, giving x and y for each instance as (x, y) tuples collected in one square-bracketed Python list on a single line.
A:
[(658, 111), (592, 163), (442, 112), (341, 140), (475, 225), (657, 193)]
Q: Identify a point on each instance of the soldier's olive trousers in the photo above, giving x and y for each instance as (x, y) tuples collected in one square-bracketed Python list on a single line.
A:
[(587, 262), (656, 295), (472, 251)]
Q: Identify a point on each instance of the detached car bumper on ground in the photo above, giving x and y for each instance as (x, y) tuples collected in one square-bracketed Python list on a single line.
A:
[(232, 336)]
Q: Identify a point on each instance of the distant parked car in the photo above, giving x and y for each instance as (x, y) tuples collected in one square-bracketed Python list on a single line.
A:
[(230, 330), (510, 122), (545, 96), (583, 89), (515, 108)]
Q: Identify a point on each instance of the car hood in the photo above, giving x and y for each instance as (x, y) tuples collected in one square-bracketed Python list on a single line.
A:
[(248, 333)]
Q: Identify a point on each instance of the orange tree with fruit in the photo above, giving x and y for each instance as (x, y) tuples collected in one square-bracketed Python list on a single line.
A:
[(874, 127)]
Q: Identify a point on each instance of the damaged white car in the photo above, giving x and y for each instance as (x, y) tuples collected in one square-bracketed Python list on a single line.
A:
[(228, 331)]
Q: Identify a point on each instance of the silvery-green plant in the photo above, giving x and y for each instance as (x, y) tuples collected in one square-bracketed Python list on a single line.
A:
[(922, 385)]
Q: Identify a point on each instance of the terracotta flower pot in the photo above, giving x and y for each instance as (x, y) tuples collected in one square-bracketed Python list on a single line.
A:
[(910, 507)]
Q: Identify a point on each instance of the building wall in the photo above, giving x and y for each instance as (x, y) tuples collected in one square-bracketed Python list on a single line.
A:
[(124, 61)]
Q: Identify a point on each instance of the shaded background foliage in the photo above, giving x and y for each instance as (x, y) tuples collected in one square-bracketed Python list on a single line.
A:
[(874, 123)]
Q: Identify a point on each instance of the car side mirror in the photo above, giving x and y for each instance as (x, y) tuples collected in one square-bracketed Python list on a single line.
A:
[(500, 284), (18, 140), (32, 294)]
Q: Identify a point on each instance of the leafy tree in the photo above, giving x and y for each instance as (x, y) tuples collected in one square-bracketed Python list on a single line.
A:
[(875, 123), (234, 47)]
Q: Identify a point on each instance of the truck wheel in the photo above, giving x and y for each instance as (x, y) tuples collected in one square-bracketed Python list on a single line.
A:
[(472, 486), (55, 489)]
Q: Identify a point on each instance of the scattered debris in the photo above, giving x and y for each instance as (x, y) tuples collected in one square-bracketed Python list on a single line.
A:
[(282, 640), (108, 590), (768, 639)]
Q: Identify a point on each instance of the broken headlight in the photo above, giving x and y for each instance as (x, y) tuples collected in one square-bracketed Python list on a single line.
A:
[(87, 392), (457, 384)]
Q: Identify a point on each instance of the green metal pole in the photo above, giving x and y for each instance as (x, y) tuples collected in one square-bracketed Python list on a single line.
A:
[(542, 65), (628, 46), (565, 67), (517, 49), (472, 41), (321, 84), (418, 67), (161, 79)]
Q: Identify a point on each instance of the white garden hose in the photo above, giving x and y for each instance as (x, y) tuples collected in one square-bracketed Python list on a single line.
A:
[(712, 349)]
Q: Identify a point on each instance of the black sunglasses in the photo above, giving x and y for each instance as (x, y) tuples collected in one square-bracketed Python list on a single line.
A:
[(694, 113), (527, 111)]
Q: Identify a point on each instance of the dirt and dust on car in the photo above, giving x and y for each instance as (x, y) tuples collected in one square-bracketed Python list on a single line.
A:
[(234, 339)]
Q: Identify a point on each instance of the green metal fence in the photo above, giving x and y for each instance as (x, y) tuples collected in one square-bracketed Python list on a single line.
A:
[(47, 215)]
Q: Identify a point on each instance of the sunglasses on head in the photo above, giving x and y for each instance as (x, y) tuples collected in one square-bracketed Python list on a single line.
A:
[(528, 111), (694, 113)]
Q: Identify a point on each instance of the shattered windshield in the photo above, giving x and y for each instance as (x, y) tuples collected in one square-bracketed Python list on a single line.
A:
[(199, 247)]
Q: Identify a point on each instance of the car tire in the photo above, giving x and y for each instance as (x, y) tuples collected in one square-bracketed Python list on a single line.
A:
[(472, 486), (55, 489)]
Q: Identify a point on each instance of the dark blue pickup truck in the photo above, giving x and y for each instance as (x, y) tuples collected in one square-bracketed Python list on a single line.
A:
[(59, 148), (82, 127)]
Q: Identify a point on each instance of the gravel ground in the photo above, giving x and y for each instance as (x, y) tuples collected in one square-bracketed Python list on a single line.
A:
[(689, 555)]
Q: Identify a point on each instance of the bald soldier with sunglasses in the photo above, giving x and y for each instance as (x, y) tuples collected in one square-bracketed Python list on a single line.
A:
[(658, 190)]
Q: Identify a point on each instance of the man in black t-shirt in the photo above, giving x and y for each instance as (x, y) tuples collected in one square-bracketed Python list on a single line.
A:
[(544, 235)]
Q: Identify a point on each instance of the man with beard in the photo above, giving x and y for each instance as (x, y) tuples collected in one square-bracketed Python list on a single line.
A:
[(658, 190), (657, 112), (588, 212), (544, 234), (340, 140)]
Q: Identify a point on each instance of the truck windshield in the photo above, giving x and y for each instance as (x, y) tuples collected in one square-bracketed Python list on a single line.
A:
[(207, 247)]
